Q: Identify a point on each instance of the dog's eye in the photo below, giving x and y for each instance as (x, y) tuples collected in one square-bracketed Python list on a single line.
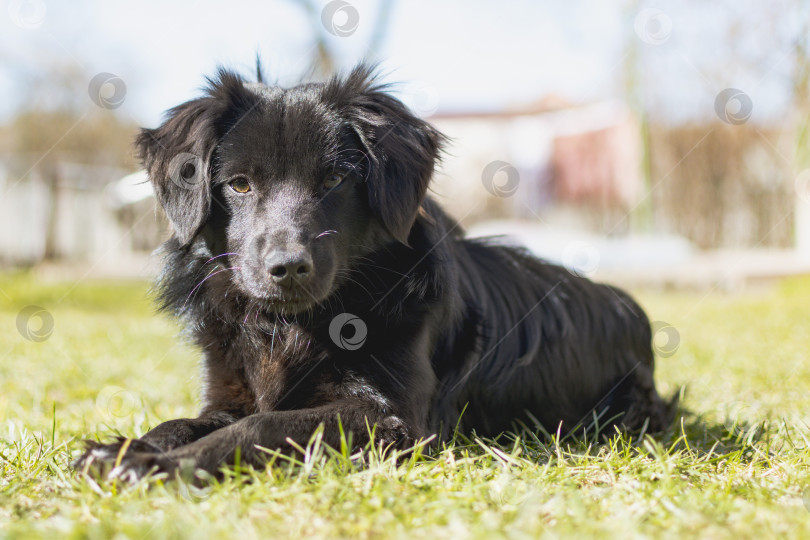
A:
[(240, 185), (333, 180)]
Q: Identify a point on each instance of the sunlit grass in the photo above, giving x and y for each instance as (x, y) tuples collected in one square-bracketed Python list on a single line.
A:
[(735, 465)]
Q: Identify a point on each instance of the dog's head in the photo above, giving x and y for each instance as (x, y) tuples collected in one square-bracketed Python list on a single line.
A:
[(293, 183)]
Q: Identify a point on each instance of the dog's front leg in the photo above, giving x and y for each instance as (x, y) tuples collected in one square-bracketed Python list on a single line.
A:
[(276, 430), (162, 438), (176, 433)]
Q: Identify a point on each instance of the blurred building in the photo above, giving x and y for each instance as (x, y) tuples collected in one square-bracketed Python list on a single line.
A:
[(580, 167), (75, 211), (577, 165)]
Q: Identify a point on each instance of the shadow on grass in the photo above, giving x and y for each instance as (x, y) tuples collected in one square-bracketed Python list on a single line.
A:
[(690, 437)]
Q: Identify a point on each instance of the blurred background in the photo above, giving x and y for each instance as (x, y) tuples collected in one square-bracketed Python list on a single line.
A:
[(661, 142), (661, 145)]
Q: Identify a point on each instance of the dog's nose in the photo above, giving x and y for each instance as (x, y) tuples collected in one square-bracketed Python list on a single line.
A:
[(288, 266)]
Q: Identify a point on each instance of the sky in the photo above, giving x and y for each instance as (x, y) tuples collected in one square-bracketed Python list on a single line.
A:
[(449, 55)]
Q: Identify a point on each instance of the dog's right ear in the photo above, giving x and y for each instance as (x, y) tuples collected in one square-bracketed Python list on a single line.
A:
[(178, 155)]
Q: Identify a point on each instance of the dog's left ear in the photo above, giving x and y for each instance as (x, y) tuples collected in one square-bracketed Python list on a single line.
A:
[(403, 150)]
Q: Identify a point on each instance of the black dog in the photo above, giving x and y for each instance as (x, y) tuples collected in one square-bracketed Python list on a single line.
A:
[(323, 287)]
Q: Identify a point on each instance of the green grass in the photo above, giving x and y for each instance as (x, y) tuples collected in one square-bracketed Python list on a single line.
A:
[(736, 466)]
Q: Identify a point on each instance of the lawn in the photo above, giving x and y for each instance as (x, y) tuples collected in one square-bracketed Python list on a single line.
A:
[(735, 465)]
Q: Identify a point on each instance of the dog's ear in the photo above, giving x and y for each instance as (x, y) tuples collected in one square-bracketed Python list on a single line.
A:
[(178, 156), (402, 148)]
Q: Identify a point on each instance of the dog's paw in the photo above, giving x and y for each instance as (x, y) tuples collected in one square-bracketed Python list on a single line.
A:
[(393, 431), (100, 459), (137, 466)]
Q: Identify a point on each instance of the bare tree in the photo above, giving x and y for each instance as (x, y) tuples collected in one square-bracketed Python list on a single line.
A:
[(325, 61)]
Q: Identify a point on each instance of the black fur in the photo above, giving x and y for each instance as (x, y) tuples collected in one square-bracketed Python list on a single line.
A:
[(452, 323)]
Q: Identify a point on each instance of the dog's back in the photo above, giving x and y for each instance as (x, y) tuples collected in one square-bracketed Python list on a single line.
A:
[(536, 342)]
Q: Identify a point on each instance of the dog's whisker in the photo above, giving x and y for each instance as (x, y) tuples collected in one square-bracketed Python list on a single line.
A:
[(361, 286), (209, 276), (382, 268), (326, 233), (250, 307), (218, 256)]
